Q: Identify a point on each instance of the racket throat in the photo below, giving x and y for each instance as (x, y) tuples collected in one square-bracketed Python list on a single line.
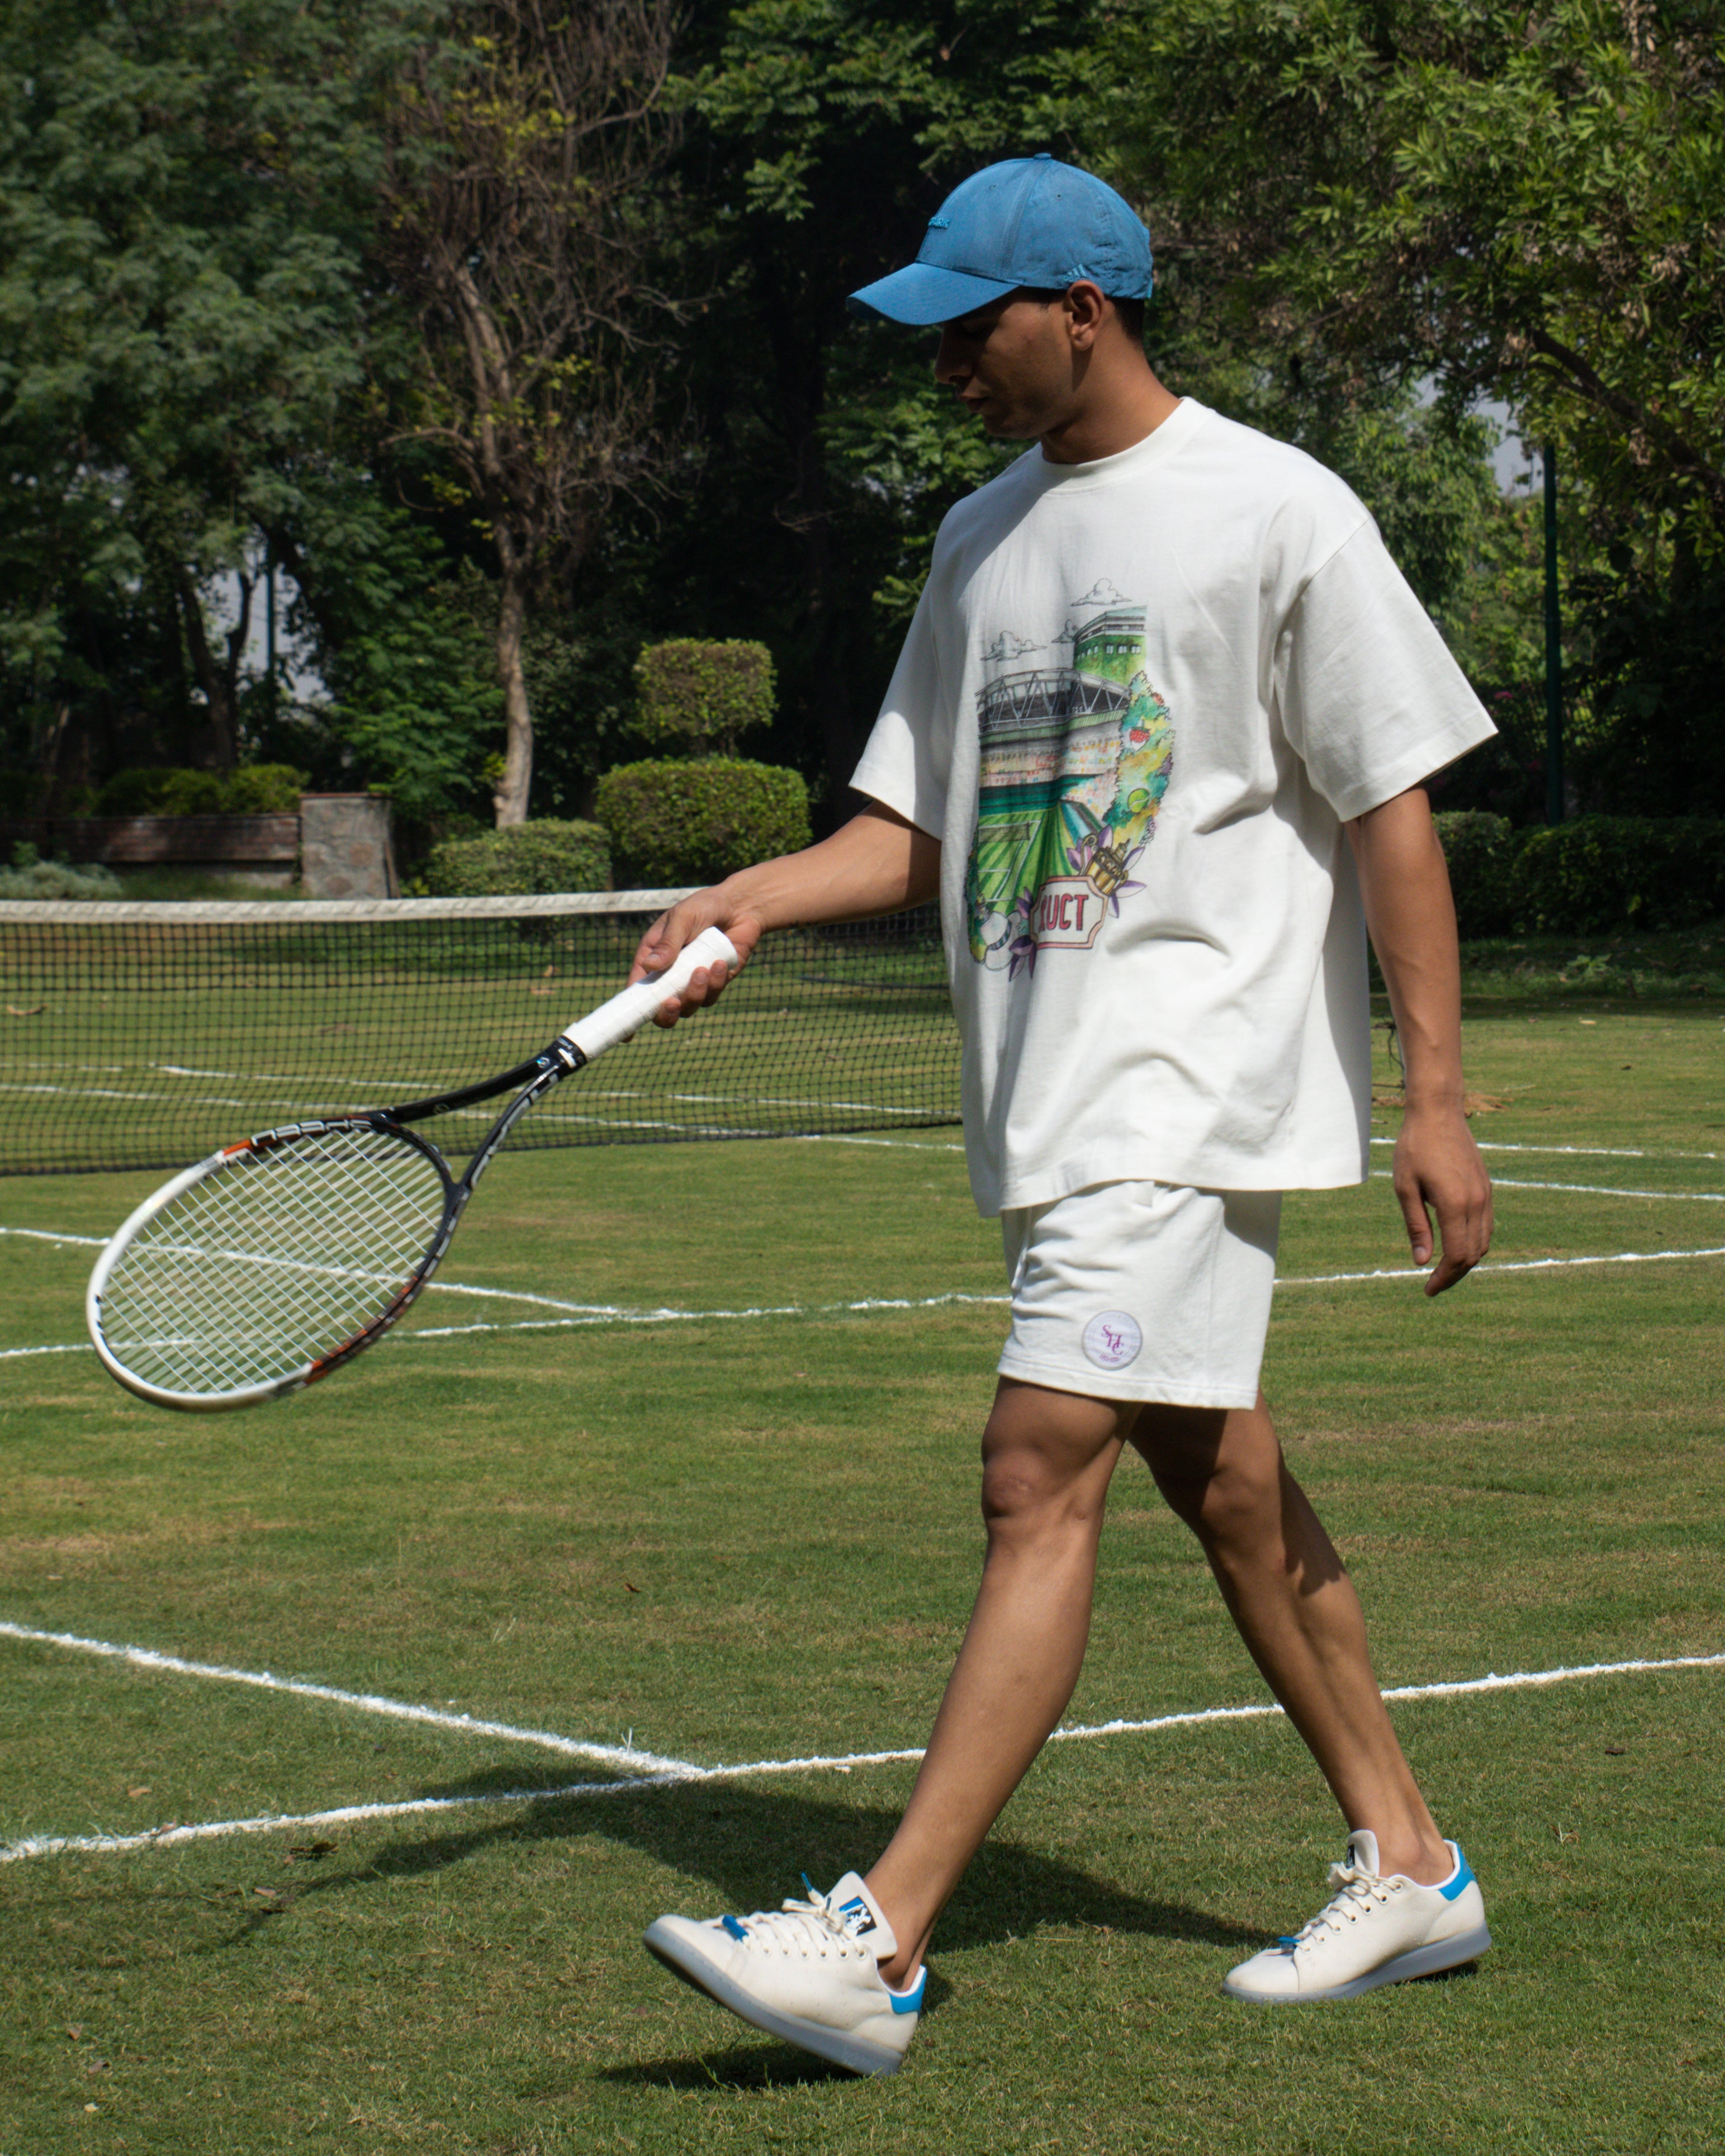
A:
[(560, 1060)]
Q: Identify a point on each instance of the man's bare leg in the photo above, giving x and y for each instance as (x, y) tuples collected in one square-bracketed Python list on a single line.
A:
[(1047, 1458), (1287, 1590)]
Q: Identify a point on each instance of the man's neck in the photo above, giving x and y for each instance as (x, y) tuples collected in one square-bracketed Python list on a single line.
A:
[(1119, 416)]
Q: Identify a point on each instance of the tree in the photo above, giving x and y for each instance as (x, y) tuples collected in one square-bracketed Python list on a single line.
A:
[(181, 295), (519, 218), (820, 133), (1524, 200)]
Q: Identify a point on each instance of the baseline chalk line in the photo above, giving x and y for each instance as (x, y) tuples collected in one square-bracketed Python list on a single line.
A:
[(668, 1773), (466, 1725), (589, 1314), (1585, 1189)]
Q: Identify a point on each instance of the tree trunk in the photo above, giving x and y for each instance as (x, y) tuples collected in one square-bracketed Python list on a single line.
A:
[(217, 683), (510, 800)]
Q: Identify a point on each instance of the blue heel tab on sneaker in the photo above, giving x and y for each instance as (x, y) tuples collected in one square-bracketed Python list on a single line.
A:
[(737, 1931), (908, 2001), (1453, 1889)]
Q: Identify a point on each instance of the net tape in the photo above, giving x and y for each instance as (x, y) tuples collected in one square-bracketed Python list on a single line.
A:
[(145, 1035), (273, 1260)]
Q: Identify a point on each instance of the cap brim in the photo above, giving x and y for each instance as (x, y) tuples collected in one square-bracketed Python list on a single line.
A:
[(921, 296)]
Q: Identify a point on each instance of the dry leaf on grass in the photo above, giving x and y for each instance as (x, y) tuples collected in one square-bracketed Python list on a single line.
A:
[(1472, 1104)]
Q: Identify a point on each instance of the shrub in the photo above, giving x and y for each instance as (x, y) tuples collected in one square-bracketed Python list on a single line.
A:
[(264, 790), (698, 697), (29, 876), (258, 789), (674, 823), (1480, 849), (1604, 872), (541, 855)]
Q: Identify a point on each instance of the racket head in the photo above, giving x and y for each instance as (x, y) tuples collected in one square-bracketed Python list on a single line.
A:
[(272, 1263)]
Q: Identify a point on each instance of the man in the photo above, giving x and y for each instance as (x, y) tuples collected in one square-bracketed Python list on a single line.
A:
[(1160, 725)]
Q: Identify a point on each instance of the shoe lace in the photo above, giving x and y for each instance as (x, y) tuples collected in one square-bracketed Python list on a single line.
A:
[(1355, 1891), (810, 1927)]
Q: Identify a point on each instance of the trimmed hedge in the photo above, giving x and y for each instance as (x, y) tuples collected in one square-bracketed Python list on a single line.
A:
[(255, 789), (1586, 877), (1479, 851), (698, 697), (541, 855), (694, 822)]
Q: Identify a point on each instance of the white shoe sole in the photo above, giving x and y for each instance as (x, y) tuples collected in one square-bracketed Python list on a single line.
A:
[(856, 2054), (1418, 1961)]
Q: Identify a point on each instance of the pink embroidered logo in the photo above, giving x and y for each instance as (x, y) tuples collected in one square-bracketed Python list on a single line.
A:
[(1112, 1339)]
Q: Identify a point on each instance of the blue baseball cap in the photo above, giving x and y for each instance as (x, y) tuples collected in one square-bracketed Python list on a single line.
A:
[(1029, 221)]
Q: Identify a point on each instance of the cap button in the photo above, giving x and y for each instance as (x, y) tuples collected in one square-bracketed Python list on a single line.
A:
[(1042, 156)]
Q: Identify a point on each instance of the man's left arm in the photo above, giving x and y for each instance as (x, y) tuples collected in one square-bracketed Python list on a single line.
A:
[(1412, 920)]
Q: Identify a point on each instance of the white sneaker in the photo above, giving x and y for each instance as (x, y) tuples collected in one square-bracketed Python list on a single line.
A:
[(1375, 1931), (808, 1973)]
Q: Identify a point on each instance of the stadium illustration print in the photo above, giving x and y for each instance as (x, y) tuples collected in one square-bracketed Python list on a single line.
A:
[(1076, 759)]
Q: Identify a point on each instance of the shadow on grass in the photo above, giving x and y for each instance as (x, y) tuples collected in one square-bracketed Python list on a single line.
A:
[(733, 2066), (751, 1845)]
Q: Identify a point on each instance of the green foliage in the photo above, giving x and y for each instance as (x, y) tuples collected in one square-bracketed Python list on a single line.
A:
[(541, 855), (822, 135), (186, 317), (672, 824), (1479, 850), (416, 706), (1652, 742), (30, 877), (258, 789), (1606, 872), (1519, 199), (698, 697), (898, 441), (29, 793), (1591, 875)]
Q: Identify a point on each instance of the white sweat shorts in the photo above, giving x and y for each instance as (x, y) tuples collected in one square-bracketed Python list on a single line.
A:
[(1142, 1292)]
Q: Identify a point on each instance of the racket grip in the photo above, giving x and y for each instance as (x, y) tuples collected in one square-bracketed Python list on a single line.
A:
[(625, 1014)]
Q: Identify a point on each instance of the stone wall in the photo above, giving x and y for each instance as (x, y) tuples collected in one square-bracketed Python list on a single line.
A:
[(345, 848)]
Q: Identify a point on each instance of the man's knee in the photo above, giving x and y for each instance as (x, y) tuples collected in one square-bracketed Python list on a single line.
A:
[(1219, 1471), (1046, 1460)]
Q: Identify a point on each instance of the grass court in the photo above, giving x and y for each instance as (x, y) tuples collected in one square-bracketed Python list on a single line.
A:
[(720, 1514)]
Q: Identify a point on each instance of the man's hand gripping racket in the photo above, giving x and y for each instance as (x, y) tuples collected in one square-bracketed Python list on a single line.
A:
[(277, 1259)]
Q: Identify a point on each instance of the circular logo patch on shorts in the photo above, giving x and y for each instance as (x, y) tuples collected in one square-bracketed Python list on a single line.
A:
[(1111, 1340)]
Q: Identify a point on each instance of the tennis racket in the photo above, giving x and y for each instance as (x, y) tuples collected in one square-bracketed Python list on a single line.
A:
[(278, 1259)]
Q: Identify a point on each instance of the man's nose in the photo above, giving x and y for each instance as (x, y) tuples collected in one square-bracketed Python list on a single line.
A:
[(949, 365)]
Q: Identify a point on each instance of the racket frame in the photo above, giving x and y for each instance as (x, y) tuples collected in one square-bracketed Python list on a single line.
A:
[(615, 1021)]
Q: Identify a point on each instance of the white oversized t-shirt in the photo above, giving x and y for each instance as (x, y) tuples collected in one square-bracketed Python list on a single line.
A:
[(1138, 700)]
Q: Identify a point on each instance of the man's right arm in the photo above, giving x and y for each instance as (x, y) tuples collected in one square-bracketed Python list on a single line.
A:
[(876, 863)]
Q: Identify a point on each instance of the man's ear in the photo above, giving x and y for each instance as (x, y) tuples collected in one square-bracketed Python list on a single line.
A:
[(1086, 308)]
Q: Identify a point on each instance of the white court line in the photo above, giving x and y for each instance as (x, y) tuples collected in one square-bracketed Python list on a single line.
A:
[(1591, 1153), (682, 1772), (147, 1658), (1506, 1266), (1584, 1189), (586, 1314)]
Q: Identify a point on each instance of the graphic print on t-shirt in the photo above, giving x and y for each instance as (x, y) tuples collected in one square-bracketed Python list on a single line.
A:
[(1075, 757)]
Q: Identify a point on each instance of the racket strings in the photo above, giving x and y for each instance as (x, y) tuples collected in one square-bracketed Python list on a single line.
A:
[(273, 1260)]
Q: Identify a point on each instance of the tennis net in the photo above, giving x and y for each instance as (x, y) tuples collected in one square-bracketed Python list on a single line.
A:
[(145, 1035)]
